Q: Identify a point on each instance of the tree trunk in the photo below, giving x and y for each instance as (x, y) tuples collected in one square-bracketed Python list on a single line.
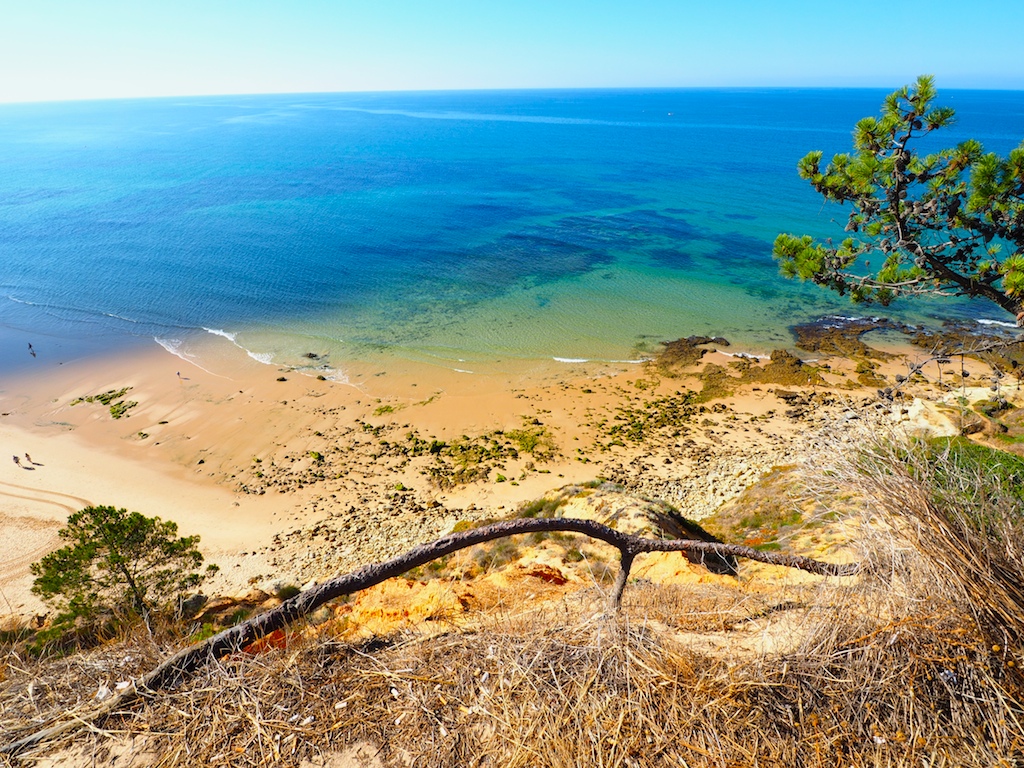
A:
[(182, 664)]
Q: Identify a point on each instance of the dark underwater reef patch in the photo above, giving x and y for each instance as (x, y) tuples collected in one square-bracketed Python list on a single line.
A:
[(675, 258), (540, 256)]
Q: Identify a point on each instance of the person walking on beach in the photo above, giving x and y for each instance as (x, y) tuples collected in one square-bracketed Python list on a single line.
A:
[(17, 461), (30, 350), (28, 458)]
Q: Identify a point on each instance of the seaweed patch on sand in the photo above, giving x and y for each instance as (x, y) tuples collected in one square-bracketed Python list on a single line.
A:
[(784, 368)]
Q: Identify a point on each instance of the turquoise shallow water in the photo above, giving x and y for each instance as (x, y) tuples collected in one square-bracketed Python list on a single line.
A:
[(454, 228)]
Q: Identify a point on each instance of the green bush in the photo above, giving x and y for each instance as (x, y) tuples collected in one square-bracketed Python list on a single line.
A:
[(287, 592)]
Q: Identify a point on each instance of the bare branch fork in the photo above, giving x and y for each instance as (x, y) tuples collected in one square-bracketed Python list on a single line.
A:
[(943, 355), (180, 665)]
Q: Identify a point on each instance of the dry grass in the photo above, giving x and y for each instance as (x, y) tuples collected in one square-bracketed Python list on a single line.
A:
[(961, 506), (900, 666)]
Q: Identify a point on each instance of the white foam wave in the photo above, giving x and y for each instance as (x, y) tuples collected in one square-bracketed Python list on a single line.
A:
[(174, 346), (337, 377), (745, 354), (461, 370), (1001, 323), (589, 360), (835, 321), (260, 357), (122, 318), (224, 334), (554, 120)]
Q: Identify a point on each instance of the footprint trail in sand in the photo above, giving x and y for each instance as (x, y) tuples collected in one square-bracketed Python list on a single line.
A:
[(29, 522)]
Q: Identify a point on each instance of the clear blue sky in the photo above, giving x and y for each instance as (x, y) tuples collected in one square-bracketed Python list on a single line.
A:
[(73, 49)]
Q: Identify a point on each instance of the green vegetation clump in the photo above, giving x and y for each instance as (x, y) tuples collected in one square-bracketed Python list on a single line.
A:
[(120, 409), (468, 459), (669, 415), (717, 383), (784, 368), (497, 554), (868, 376), (999, 477), (768, 513), (534, 440), (543, 507), (287, 592), (112, 398), (435, 569)]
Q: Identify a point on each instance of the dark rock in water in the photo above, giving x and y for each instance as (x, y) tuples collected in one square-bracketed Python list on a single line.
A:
[(312, 355), (834, 335), (683, 352)]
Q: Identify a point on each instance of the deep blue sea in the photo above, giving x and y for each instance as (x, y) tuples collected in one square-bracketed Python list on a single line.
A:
[(460, 228)]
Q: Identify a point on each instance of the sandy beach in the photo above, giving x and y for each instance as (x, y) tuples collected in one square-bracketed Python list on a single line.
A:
[(289, 479)]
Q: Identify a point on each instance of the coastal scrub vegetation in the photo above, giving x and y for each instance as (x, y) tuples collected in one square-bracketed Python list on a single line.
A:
[(949, 222), (116, 566)]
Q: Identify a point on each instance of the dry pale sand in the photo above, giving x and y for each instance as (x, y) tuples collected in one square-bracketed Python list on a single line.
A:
[(225, 452)]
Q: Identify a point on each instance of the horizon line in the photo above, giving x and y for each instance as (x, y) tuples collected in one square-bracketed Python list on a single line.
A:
[(552, 89)]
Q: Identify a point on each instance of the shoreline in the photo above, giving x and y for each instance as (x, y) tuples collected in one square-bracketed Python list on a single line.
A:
[(289, 479)]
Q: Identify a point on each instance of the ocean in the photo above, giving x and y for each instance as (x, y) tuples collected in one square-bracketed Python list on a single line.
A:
[(468, 230)]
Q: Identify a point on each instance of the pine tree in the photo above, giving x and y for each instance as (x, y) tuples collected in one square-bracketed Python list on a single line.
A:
[(948, 223), (116, 563)]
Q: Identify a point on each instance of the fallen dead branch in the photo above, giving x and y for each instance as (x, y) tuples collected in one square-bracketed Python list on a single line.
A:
[(188, 660)]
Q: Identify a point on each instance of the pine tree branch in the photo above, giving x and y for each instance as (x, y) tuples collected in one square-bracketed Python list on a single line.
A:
[(182, 664)]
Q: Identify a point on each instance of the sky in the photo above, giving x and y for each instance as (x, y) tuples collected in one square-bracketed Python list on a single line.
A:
[(53, 50)]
